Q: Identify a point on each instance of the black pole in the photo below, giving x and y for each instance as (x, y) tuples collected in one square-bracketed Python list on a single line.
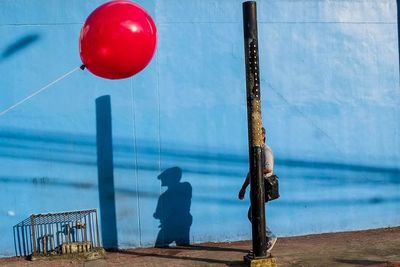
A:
[(254, 127)]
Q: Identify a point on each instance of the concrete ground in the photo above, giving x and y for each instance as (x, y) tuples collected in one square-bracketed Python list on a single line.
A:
[(373, 248)]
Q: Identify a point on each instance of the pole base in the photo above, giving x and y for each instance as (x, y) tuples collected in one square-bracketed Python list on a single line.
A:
[(253, 261)]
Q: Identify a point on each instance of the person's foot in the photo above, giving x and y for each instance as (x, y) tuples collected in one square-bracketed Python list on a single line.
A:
[(271, 243)]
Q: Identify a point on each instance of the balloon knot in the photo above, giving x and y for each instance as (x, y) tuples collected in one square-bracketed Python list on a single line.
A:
[(83, 67)]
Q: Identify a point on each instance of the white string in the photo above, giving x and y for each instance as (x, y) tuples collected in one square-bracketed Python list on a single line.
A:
[(38, 91)]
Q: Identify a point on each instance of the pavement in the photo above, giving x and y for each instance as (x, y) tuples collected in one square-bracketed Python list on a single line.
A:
[(372, 248)]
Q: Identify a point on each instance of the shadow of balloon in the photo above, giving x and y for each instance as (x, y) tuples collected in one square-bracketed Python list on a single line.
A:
[(20, 44)]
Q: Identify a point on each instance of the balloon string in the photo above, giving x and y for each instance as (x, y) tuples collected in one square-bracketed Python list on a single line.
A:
[(38, 91)]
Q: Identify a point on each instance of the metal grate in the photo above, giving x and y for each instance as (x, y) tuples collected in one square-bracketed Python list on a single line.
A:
[(57, 233)]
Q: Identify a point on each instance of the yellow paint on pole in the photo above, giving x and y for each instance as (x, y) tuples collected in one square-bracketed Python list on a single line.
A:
[(261, 262), (256, 123)]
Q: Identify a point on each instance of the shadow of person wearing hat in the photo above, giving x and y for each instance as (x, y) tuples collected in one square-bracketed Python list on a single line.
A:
[(173, 209)]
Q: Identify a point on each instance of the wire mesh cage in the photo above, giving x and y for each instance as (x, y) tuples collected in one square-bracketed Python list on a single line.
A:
[(57, 233)]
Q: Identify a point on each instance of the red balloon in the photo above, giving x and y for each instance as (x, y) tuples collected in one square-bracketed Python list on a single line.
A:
[(117, 40)]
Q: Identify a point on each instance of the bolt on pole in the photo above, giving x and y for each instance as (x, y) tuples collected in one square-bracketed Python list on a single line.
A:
[(254, 127)]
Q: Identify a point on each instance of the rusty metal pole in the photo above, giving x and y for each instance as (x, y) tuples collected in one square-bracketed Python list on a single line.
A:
[(254, 128), (34, 252)]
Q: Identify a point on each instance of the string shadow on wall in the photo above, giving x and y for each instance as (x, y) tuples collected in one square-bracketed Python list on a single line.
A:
[(398, 26)]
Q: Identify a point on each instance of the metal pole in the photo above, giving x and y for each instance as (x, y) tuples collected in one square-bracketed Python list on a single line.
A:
[(97, 231), (33, 235), (254, 127)]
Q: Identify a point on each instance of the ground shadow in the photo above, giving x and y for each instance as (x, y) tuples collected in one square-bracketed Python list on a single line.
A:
[(165, 254), (19, 45), (359, 262), (210, 248), (173, 209), (105, 170)]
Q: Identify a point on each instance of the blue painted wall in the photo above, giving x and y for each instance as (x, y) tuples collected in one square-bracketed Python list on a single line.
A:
[(330, 92)]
